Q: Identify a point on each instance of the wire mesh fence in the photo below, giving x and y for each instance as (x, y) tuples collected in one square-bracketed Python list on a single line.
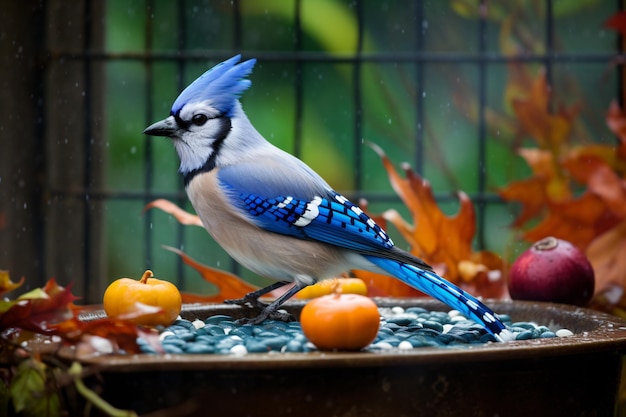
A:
[(428, 81)]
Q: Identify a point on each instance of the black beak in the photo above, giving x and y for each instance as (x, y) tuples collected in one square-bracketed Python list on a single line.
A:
[(166, 127)]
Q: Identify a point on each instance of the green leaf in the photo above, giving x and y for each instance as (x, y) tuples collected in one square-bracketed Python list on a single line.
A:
[(6, 305), (48, 405), (28, 384), (36, 294), (4, 398), (29, 393)]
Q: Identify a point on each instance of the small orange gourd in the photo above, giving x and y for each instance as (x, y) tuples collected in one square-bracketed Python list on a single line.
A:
[(340, 321), (329, 286), (125, 296)]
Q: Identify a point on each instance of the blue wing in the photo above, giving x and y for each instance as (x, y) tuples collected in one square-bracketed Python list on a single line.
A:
[(285, 196), (331, 219)]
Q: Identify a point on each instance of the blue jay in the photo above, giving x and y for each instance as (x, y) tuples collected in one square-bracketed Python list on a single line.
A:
[(274, 214)]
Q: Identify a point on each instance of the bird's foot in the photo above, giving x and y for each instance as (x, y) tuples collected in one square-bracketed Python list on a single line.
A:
[(252, 302), (268, 314), (266, 311)]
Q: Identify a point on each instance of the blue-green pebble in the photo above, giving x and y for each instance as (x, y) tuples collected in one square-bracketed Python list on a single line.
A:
[(218, 318), (505, 318), (220, 334), (400, 321), (169, 348), (173, 341), (434, 325), (416, 310), (276, 342), (294, 346), (255, 346), (524, 325), (525, 335), (196, 347)]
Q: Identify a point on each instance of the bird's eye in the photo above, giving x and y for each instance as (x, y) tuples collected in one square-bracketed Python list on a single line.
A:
[(199, 119)]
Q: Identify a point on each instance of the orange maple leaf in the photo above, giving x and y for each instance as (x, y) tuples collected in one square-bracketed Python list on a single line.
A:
[(6, 285), (444, 242), (550, 130), (229, 286)]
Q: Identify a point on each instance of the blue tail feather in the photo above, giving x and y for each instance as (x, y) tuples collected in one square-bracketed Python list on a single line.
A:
[(432, 284)]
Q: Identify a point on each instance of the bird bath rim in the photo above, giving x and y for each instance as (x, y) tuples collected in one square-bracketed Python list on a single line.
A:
[(593, 332)]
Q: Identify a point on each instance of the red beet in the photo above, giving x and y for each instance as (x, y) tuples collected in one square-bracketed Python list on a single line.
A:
[(552, 270)]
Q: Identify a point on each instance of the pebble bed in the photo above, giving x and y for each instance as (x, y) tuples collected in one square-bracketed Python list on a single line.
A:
[(400, 329)]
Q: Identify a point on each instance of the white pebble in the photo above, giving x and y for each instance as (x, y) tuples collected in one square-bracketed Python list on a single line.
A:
[(382, 346), (238, 350), (404, 345), (397, 310), (101, 345), (198, 324), (454, 313), (310, 346), (564, 333), (447, 327), (457, 318), (165, 334), (237, 338)]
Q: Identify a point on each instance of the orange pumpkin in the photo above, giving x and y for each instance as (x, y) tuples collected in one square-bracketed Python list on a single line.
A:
[(340, 321), (329, 286), (125, 296)]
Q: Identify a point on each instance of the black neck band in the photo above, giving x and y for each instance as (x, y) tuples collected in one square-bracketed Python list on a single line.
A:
[(224, 130)]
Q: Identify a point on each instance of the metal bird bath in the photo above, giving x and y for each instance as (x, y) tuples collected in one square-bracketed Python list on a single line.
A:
[(572, 376)]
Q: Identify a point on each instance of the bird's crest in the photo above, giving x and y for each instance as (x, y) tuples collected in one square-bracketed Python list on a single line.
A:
[(221, 85)]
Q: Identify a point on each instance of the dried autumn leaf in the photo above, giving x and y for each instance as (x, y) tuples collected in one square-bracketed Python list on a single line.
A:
[(605, 184), (574, 221), (120, 332), (549, 130), (229, 286), (6, 285), (444, 242), (530, 194), (616, 121), (38, 309), (607, 254), (183, 217)]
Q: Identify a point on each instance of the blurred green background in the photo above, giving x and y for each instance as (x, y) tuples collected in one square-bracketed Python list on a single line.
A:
[(425, 80)]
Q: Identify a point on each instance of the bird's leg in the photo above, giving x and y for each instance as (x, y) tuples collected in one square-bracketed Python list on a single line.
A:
[(252, 298), (271, 311)]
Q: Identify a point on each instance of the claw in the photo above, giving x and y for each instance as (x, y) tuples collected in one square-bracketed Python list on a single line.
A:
[(265, 314)]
